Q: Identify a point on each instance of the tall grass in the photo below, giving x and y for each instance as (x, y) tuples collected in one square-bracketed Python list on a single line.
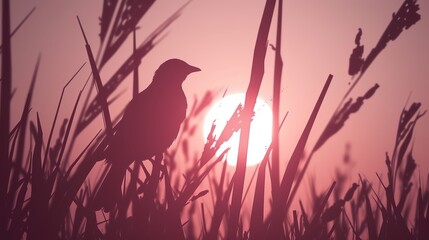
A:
[(46, 194), (6, 86)]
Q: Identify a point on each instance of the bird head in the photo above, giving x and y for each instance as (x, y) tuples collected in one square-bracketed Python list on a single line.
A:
[(174, 71)]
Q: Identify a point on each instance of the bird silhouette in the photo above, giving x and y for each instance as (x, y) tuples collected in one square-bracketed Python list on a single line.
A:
[(150, 123)]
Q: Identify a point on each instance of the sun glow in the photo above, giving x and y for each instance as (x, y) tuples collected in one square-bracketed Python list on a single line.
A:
[(260, 129)]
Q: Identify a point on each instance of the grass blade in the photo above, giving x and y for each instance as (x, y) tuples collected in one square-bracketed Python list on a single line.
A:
[(221, 208), (257, 214), (38, 205), (21, 139), (370, 220), (257, 73), (279, 208), (6, 86), (56, 115), (315, 225), (20, 25), (278, 67), (334, 125), (101, 92)]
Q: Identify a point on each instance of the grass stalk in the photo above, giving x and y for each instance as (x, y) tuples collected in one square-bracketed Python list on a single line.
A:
[(20, 25), (278, 68), (279, 210), (56, 116), (6, 86), (19, 159), (257, 213), (256, 76), (404, 18), (101, 92)]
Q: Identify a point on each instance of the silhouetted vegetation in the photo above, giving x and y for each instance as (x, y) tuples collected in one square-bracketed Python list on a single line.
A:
[(47, 194)]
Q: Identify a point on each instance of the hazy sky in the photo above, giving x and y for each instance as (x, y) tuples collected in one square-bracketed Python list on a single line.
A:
[(219, 37)]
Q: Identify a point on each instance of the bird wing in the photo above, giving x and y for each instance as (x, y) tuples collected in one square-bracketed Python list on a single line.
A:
[(150, 123)]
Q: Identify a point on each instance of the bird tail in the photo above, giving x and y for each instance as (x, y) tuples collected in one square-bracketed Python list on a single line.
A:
[(109, 193)]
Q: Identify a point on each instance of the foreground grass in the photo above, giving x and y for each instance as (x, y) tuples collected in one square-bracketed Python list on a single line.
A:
[(46, 194)]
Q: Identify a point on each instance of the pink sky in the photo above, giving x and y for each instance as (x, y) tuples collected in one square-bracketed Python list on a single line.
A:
[(219, 36)]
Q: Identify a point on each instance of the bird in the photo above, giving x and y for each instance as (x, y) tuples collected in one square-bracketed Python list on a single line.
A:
[(149, 125)]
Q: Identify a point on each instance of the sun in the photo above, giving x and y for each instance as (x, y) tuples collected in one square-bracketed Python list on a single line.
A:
[(260, 129)]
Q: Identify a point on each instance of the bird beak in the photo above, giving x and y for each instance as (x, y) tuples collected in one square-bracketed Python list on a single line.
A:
[(192, 69)]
